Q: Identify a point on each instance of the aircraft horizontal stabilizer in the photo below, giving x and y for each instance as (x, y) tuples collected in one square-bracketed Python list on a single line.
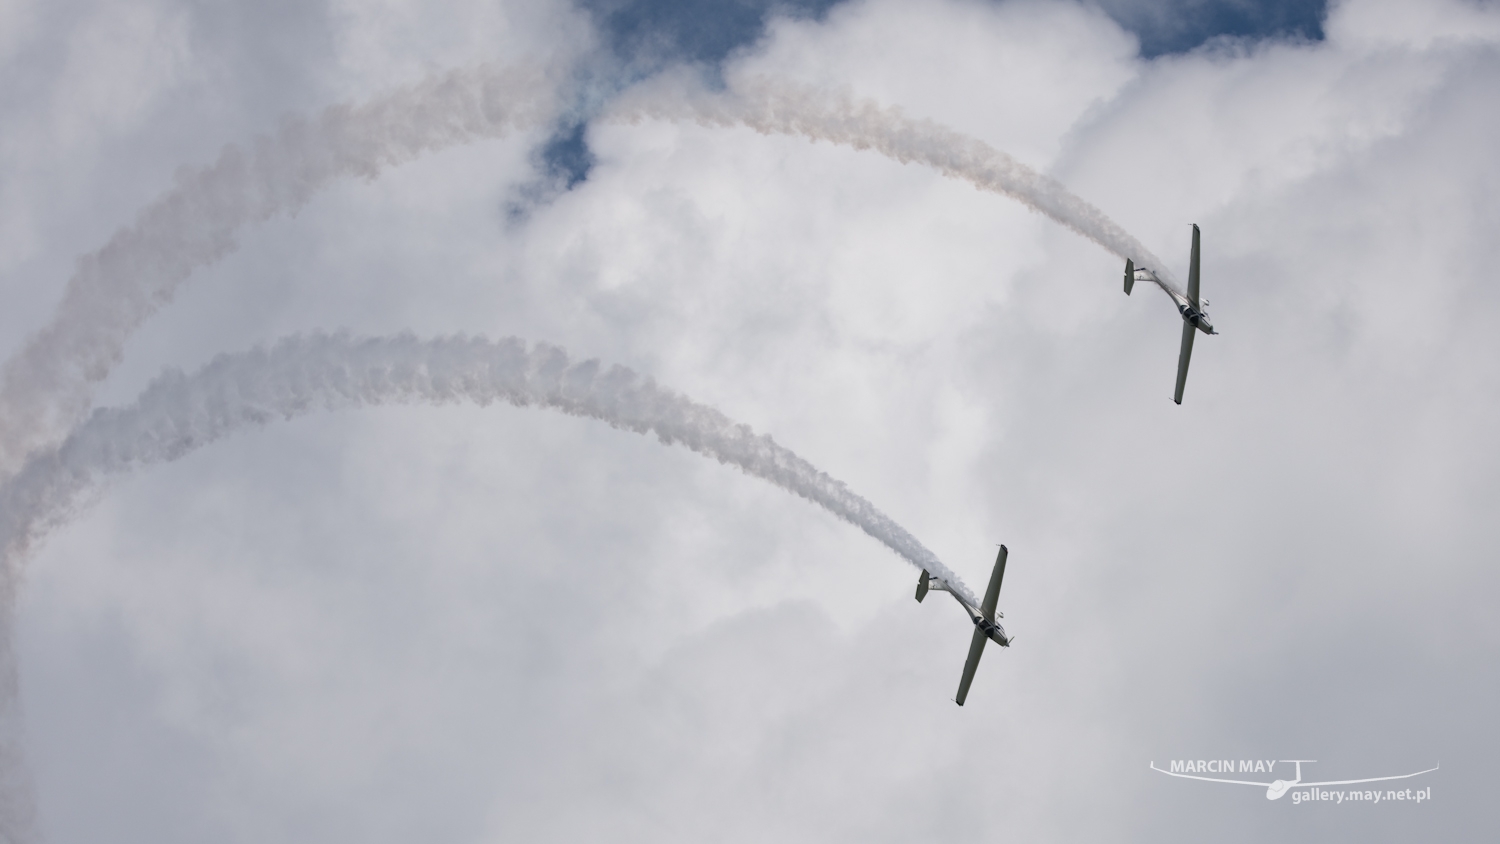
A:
[(1129, 275), (922, 583)]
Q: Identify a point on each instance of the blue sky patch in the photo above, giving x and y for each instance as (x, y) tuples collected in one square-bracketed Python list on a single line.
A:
[(647, 34)]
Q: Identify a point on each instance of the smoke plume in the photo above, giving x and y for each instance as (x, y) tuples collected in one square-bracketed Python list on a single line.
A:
[(179, 413), (771, 106), (45, 387)]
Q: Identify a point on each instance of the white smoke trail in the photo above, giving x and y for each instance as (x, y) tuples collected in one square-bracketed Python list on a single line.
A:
[(45, 387), (179, 413), (771, 106)]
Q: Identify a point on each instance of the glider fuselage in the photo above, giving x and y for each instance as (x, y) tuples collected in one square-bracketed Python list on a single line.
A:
[(1194, 317)]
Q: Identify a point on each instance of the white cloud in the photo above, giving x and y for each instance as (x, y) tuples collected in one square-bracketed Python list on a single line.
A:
[(1016, 74), (498, 625), (1390, 23), (112, 66), (384, 43), (16, 21)]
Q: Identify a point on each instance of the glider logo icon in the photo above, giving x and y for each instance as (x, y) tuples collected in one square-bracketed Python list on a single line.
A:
[(1276, 789)]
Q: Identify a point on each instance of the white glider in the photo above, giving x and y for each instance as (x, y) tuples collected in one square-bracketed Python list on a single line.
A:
[(983, 617), (1193, 317)]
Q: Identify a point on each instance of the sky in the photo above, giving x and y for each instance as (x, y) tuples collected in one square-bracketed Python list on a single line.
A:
[(491, 623)]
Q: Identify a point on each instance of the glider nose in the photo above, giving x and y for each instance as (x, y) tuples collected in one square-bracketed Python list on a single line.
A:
[(1277, 789)]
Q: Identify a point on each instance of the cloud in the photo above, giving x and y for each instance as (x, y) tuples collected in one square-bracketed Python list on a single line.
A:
[(497, 625), (47, 384), (1178, 26)]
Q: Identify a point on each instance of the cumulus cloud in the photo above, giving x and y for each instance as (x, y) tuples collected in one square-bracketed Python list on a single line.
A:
[(496, 626), (48, 383)]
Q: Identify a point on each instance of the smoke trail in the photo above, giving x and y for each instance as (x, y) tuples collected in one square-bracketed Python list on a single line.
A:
[(45, 387), (179, 413), (780, 107)]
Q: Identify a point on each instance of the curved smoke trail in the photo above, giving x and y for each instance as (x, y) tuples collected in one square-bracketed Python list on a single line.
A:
[(771, 106), (179, 413), (45, 387)]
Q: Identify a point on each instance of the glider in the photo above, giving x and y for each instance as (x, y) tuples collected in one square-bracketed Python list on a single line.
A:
[(1193, 317), (983, 617)]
